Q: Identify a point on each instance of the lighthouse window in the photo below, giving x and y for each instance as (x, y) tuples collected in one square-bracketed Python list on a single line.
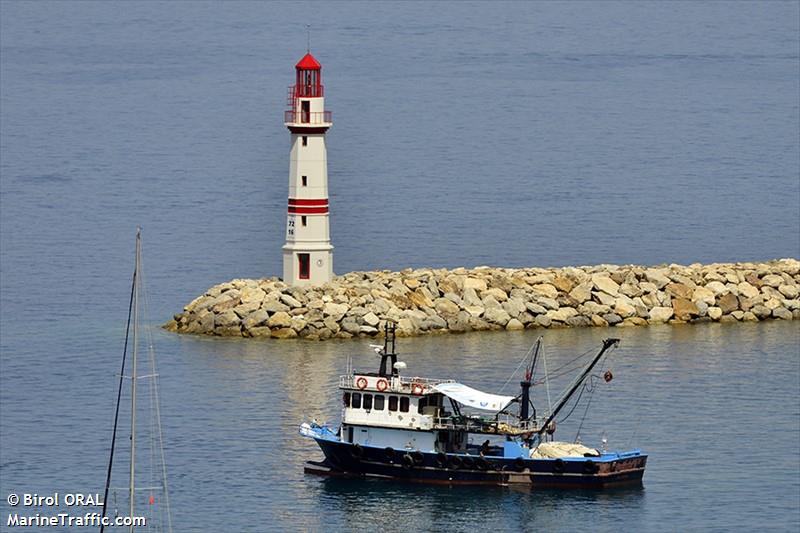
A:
[(379, 401), (368, 402), (404, 404), (305, 143), (304, 261), (304, 220), (305, 180), (356, 400), (393, 403)]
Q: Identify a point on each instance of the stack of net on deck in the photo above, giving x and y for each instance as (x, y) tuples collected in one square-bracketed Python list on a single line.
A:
[(556, 450)]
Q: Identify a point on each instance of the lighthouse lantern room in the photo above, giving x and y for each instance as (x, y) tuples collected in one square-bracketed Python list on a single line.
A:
[(307, 254)]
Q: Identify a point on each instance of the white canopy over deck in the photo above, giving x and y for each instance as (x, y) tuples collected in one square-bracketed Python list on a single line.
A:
[(483, 401)]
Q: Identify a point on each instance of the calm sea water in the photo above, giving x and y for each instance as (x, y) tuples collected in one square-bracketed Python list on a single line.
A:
[(465, 134)]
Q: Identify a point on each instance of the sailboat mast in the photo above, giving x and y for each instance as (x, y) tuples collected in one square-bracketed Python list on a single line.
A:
[(133, 373)]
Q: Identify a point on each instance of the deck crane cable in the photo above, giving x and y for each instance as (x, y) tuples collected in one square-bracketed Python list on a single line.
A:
[(590, 387)]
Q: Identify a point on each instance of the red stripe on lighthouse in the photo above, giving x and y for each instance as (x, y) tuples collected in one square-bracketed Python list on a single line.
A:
[(305, 201), (308, 210)]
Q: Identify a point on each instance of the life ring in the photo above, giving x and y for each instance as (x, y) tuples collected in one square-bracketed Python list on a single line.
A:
[(357, 452), (417, 388), (408, 462), (590, 467), (559, 466), (382, 385), (389, 452), (519, 464), (361, 383)]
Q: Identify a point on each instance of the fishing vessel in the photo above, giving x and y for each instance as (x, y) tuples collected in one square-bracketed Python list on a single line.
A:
[(440, 431), (139, 505)]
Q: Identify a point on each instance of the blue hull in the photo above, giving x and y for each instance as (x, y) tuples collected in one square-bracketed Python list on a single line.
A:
[(608, 470)]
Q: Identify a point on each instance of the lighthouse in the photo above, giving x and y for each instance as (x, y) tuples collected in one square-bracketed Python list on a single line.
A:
[(307, 254)]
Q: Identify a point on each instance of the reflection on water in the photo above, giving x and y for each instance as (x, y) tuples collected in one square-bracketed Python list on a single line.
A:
[(460, 508)]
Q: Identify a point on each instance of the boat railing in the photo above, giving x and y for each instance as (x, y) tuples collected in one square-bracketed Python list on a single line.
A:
[(505, 425), (396, 382)]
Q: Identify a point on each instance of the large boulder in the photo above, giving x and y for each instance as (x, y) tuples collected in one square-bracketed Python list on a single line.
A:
[(684, 309), (581, 293), (514, 307), (497, 316), (334, 310), (605, 284), (283, 333), (445, 307), (562, 314), (657, 277), (281, 319), (772, 280), (679, 290), (274, 306), (255, 319), (728, 303), (476, 284), (659, 315), (226, 319), (563, 283), (514, 325), (702, 294), (747, 290), (790, 291)]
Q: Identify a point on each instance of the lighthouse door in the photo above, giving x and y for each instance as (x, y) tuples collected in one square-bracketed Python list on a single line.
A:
[(304, 265), (305, 106)]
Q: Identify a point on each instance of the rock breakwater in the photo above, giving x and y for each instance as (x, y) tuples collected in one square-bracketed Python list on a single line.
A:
[(425, 301)]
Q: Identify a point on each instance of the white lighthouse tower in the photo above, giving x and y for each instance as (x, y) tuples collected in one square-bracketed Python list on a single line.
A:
[(308, 254)]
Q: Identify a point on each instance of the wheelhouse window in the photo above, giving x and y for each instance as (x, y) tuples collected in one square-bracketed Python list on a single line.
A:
[(393, 403), (346, 399), (368, 402), (421, 405), (379, 402), (404, 404), (356, 403)]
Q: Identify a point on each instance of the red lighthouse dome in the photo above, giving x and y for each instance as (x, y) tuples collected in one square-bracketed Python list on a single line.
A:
[(309, 77)]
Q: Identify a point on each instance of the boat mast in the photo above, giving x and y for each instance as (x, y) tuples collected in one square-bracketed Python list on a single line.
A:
[(607, 343), (133, 371), (388, 354), (525, 397), (119, 394)]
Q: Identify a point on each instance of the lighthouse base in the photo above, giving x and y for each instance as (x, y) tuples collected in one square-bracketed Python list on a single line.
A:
[(307, 264)]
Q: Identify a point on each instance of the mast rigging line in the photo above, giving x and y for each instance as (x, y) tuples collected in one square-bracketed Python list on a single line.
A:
[(119, 395), (155, 404), (524, 357), (560, 371)]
